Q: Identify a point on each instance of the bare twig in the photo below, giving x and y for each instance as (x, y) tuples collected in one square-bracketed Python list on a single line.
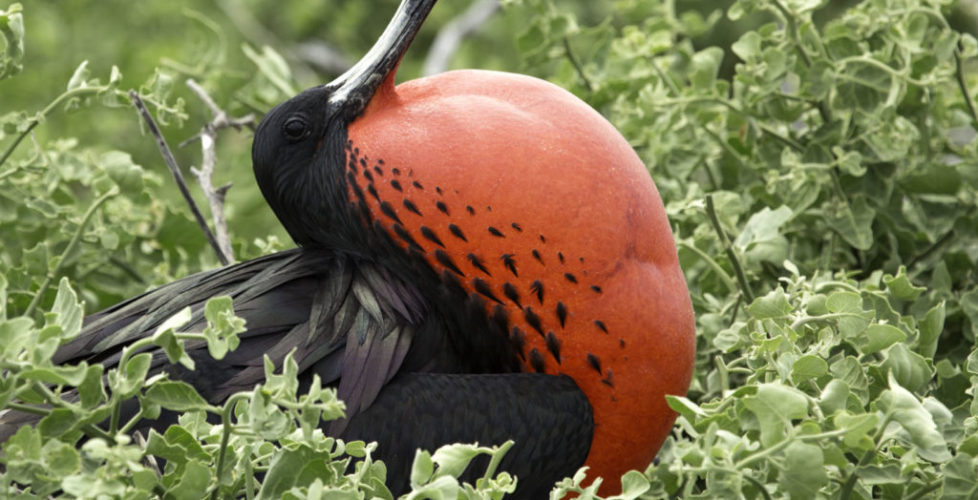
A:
[(451, 36), (215, 197), (963, 85), (221, 119), (728, 247), (577, 65), (171, 163), (148, 460), (208, 145)]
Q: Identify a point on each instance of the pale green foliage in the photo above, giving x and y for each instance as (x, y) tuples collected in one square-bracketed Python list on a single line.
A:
[(822, 194), (12, 32)]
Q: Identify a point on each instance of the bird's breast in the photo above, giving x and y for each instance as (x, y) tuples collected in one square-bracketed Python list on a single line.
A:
[(534, 203)]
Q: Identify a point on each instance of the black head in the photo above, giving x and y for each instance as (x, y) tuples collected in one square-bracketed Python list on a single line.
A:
[(298, 148), (290, 161)]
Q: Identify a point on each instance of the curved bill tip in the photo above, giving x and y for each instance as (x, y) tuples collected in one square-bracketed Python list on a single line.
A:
[(354, 88)]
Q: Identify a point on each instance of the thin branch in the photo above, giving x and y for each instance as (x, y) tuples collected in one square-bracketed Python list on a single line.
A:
[(226, 414), (963, 85), (792, 28), (215, 197), (208, 145), (221, 119), (171, 163), (577, 65), (148, 459), (39, 118), (450, 37), (665, 78), (728, 247)]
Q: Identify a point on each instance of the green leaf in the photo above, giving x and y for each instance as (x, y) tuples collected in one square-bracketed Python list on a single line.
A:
[(959, 478), (266, 418), (904, 408), (685, 407), (763, 226), (859, 429), (15, 334), (121, 169), (878, 337), (60, 375), (281, 473), (808, 367), (775, 406), (91, 391), (910, 369), (176, 445), (131, 378), (80, 77), (3, 294), (854, 223), (804, 470), (223, 327), (844, 302), (61, 459), (705, 65), (192, 481), (930, 331), (157, 446), (21, 452), (773, 305), (849, 306), (969, 305), (633, 485), (748, 47), (901, 287), (422, 468), (761, 238), (57, 422), (272, 66), (875, 475), (834, 396), (356, 449), (181, 318), (969, 445), (452, 460), (12, 31), (175, 395), (799, 7), (173, 347), (67, 311)]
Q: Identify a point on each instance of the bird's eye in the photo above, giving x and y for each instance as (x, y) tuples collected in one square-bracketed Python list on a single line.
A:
[(294, 128)]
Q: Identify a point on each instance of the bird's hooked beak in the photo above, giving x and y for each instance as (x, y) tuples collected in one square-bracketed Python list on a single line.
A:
[(354, 89)]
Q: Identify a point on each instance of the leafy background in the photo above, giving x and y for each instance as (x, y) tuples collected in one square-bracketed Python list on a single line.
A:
[(817, 159)]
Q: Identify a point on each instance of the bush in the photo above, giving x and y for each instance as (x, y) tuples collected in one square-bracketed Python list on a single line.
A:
[(823, 199)]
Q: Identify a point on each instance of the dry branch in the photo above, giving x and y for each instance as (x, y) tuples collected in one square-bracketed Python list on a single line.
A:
[(171, 163), (208, 145)]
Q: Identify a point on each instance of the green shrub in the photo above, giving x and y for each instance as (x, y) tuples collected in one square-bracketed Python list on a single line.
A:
[(823, 200)]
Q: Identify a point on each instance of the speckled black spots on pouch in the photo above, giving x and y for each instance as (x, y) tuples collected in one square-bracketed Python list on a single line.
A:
[(533, 284)]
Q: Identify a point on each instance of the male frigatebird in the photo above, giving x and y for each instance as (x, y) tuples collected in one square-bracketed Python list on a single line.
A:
[(481, 257)]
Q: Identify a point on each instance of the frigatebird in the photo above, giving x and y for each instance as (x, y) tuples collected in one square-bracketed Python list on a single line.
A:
[(481, 257)]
